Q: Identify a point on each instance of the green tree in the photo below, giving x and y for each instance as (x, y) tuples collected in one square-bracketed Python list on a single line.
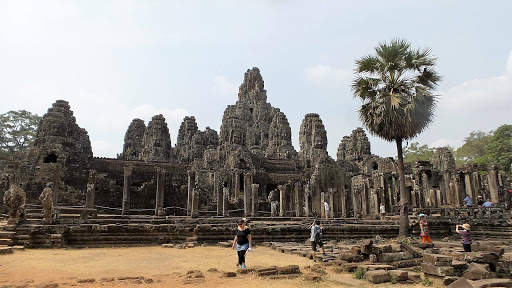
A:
[(499, 149), (17, 130), (474, 147), (396, 89), (414, 153)]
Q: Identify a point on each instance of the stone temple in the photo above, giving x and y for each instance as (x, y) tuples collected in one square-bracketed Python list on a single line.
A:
[(249, 168)]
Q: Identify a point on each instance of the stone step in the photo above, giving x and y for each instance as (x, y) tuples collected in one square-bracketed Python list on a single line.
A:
[(7, 234), (5, 250), (6, 242)]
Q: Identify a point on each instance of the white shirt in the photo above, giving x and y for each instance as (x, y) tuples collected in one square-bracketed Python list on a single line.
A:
[(326, 206), (382, 209)]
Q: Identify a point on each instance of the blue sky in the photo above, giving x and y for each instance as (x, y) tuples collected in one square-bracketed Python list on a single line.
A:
[(119, 60)]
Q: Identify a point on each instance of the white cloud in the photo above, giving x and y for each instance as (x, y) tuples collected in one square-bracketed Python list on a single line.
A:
[(442, 142), (223, 87), (325, 75)]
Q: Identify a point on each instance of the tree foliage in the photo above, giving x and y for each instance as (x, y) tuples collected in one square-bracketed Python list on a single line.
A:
[(499, 149), (414, 153), (17, 130), (396, 88), (474, 147)]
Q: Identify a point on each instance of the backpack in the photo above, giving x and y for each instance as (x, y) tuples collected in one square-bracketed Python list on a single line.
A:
[(318, 234)]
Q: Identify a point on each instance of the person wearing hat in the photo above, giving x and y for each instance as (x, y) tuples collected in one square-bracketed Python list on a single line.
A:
[(425, 235), (465, 234), (242, 242)]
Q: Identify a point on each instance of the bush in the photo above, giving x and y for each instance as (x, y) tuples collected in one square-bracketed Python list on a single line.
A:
[(359, 273), (393, 279), (426, 281)]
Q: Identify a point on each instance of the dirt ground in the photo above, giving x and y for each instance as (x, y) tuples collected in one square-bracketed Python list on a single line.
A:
[(153, 267)]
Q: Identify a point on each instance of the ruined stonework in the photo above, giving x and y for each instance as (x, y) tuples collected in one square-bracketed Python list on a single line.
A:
[(132, 148), (280, 136), (443, 159), (313, 140), (59, 154), (192, 142), (355, 147), (14, 199), (46, 199), (157, 141)]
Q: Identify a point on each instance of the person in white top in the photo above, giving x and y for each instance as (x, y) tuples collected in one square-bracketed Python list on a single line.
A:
[(382, 211), (326, 208)]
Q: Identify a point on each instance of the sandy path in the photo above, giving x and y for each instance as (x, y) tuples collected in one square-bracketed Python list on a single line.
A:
[(156, 267)]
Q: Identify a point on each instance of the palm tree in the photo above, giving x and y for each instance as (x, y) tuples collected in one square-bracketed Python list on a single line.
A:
[(395, 87)]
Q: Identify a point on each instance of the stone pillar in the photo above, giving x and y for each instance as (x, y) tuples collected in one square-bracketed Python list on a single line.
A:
[(237, 186), (364, 198), (493, 183), (374, 202), (299, 200), (414, 195), (91, 190), (247, 194), (469, 185), (307, 204), (330, 200), (254, 199), (448, 188), (225, 201), (322, 207), (126, 189), (194, 212), (218, 193), (356, 200), (56, 183), (459, 190), (282, 200), (191, 183), (343, 196), (160, 188)]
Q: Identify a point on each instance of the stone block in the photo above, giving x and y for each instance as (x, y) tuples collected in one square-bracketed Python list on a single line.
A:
[(407, 248), (371, 267), (291, 269), (349, 257), (5, 250), (414, 277), (366, 246), (348, 267), (266, 271), (437, 270), (449, 280), (377, 276), (355, 250), (399, 275), (425, 245), (312, 277), (228, 274), (168, 245), (461, 283), (476, 271), (482, 257), (492, 283), (194, 274), (407, 263), (382, 249), (391, 257), (437, 259)]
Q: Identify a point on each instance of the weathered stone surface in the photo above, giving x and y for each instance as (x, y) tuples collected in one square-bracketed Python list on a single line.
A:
[(377, 276), (476, 271), (371, 267), (407, 248), (349, 257), (354, 147), (228, 274), (449, 280), (425, 245), (280, 142), (313, 277), (461, 283), (291, 269), (266, 271), (492, 283), (437, 259), (132, 148), (355, 250), (414, 277), (192, 143), (437, 270), (399, 275), (443, 159), (313, 140), (391, 257), (407, 263), (194, 274), (157, 141), (482, 257), (367, 246)]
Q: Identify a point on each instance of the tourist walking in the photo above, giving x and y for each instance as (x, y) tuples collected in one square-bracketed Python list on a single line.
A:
[(465, 234), (242, 242), (382, 211), (326, 208), (316, 238), (425, 235)]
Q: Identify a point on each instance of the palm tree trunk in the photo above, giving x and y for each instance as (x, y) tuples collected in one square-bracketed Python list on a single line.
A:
[(404, 198)]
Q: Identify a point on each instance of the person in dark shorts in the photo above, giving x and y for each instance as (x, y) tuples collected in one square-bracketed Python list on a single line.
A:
[(242, 242), (316, 238)]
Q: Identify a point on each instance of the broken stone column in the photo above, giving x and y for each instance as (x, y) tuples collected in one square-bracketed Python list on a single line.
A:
[(247, 194), (322, 207), (468, 184), (307, 197), (343, 196), (194, 210), (225, 201), (459, 190), (191, 183), (126, 189), (299, 200), (425, 183), (91, 190), (218, 194), (282, 200), (254, 199), (447, 187), (160, 185), (330, 200), (493, 182)]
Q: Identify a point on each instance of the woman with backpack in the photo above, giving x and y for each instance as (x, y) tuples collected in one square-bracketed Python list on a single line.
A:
[(316, 238)]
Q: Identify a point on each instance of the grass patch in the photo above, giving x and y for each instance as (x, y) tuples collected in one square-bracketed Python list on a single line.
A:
[(359, 273)]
